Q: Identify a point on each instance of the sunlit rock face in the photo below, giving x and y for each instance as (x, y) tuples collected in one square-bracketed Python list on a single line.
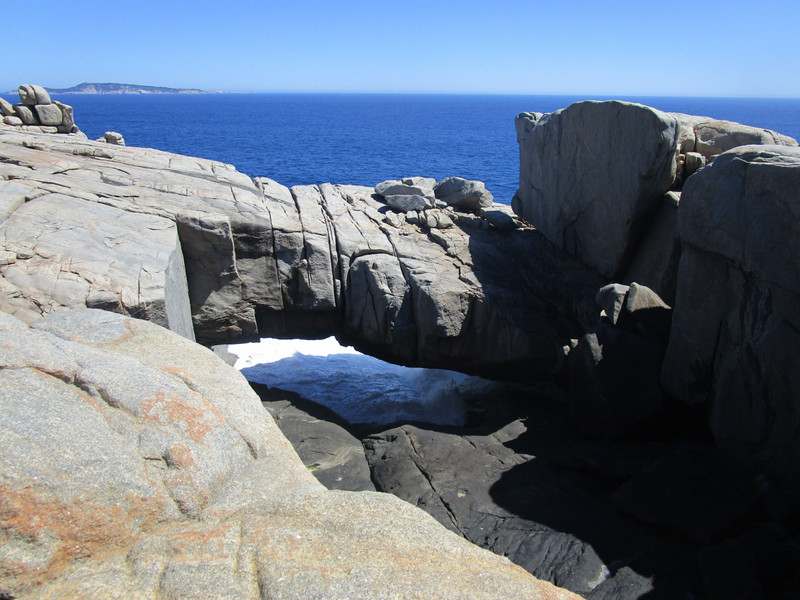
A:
[(194, 245), (139, 464)]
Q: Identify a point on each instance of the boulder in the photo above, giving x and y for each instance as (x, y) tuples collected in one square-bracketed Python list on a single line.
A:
[(463, 194), (112, 137), (407, 203), (735, 321), (139, 464), (67, 117), (6, 108), (49, 114), (611, 300), (30, 95), (593, 174), (708, 137), (12, 121), (27, 114), (412, 186)]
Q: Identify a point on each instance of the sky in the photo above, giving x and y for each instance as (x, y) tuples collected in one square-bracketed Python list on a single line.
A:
[(731, 48)]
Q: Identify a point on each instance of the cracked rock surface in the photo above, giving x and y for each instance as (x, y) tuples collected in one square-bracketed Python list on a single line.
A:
[(193, 245)]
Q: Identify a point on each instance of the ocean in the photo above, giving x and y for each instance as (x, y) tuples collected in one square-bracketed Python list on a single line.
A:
[(366, 138)]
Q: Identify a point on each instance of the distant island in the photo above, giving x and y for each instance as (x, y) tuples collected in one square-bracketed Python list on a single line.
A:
[(122, 88)]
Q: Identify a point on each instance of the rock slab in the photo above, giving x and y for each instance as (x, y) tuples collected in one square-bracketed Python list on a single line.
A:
[(138, 464)]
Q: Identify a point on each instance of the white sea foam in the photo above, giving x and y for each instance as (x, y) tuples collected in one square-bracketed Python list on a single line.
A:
[(360, 388)]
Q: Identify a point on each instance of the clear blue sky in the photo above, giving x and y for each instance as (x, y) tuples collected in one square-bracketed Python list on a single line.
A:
[(612, 47)]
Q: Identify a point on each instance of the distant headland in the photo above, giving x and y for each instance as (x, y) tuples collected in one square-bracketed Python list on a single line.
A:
[(123, 88)]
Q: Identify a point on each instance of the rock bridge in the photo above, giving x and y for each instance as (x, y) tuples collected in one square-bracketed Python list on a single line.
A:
[(206, 251)]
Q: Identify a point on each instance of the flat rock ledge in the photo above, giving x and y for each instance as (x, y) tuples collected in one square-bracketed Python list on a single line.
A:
[(137, 464)]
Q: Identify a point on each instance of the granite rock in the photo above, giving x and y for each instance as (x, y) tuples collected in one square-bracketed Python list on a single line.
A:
[(590, 191), (735, 319), (140, 465), (463, 194)]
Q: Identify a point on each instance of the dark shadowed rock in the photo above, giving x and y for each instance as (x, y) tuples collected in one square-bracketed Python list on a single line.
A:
[(514, 486), (614, 382), (734, 335), (320, 438)]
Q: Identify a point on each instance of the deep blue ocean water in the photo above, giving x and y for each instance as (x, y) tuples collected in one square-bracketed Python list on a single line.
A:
[(364, 139)]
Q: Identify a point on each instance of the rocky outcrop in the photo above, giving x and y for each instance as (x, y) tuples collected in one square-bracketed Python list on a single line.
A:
[(602, 179), (734, 330), (37, 112), (591, 191), (181, 241), (138, 464)]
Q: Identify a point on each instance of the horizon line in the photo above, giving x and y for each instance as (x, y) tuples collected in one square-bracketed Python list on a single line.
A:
[(603, 95)]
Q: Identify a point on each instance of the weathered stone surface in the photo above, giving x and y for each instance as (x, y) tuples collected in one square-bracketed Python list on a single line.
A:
[(12, 121), (735, 320), (27, 114), (138, 464), (415, 187), (611, 300), (67, 115), (48, 114), (333, 455), (112, 137), (592, 175), (6, 108), (711, 137), (59, 258), (655, 261), (463, 194), (408, 202), (31, 95), (263, 260)]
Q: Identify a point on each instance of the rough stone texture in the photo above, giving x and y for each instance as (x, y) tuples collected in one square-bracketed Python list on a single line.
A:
[(27, 114), (408, 202), (138, 464), (734, 338), (262, 260), (655, 261), (49, 114), (31, 95), (592, 175), (463, 194), (12, 121), (6, 108), (711, 137), (112, 137)]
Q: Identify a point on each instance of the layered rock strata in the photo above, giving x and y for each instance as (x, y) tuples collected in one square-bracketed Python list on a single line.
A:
[(195, 246), (137, 464)]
